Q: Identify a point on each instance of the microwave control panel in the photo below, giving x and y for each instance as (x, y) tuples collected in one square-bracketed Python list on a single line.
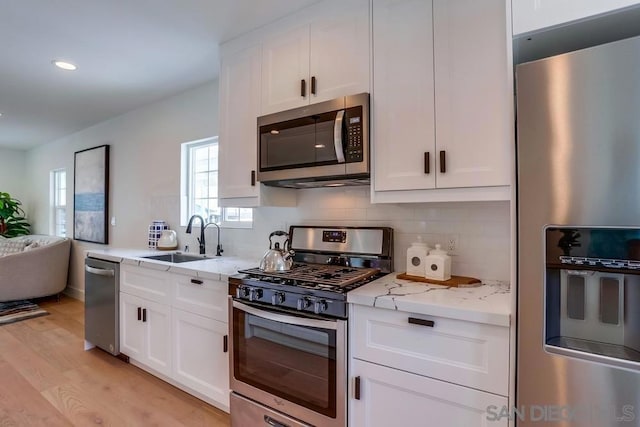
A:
[(354, 151)]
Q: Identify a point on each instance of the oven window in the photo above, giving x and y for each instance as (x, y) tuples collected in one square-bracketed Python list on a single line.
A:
[(298, 143), (296, 363)]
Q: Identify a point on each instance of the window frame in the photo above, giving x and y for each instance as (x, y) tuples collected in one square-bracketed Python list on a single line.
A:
[(58, 185), (187, 187)]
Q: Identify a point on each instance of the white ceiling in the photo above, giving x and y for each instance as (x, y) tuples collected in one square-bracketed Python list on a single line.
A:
[(129, 53)]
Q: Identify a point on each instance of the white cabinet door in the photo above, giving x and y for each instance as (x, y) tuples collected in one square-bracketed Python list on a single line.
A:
[(239, 110), (285, 70), (145, 332), (157, 322), (132, 333), (200, 358), (532, 15), (390, 397), (403, 106), (144, 282), (339, 53), (473, 93)]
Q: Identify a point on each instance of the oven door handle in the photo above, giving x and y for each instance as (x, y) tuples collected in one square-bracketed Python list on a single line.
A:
[(283, 318)]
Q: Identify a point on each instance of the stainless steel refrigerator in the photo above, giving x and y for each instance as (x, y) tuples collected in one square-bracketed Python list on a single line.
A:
[(578, 202)]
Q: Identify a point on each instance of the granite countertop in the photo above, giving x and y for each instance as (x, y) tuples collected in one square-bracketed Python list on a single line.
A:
[(214, 268), (489, 303)]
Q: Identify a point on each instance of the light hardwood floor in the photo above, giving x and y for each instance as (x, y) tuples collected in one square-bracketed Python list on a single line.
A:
[(47, 379)]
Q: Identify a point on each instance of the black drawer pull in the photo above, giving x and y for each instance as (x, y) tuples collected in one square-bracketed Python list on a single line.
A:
[(253, 178), (225, 344), (427, 162), (139, 313), (443, 162), (144, 314), (421, 322), (356, 391), (313, 85), (303, 88), (197, 281)]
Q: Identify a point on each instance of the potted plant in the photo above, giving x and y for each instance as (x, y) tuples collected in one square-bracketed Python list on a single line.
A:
[(12, 220)]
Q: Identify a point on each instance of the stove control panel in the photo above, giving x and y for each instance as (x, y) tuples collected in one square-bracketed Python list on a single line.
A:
[(294, 301)]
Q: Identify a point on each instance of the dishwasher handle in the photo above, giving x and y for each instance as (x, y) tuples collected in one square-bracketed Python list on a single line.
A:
[(99, 271)]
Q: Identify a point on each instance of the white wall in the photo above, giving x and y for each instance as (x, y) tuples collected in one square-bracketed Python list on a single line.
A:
[(144, 168), (12, 173)]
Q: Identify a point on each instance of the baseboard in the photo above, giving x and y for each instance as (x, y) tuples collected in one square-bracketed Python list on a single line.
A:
[(74, 293)]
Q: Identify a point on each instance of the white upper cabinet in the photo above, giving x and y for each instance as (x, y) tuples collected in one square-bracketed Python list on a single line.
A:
[(442, 101), (324, 57), (403, 108), (532, 15), (285, 76), (240, 85), (239, 110), (473, 93)]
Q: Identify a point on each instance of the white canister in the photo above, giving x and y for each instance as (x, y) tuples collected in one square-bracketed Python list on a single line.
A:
[(438, 264), (416, 257)]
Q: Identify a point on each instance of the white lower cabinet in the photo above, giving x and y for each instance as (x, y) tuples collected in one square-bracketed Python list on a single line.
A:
[(200, 358), (184, 340), (143, 332), (414, 369), (391, 397)]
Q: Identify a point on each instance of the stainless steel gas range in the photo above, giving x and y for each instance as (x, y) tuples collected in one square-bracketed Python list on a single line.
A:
[(288, 352)]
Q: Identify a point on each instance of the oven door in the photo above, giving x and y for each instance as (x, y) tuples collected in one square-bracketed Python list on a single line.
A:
[(293, 364)]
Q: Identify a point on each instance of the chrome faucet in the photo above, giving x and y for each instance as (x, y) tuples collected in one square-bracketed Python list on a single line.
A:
[(218, 246), (202, 227), (201, 241)]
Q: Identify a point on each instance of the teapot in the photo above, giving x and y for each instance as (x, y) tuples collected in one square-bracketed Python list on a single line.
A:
[(277, 259)]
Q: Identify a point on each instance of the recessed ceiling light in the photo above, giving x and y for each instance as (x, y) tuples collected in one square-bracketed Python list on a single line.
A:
[(64, 65)]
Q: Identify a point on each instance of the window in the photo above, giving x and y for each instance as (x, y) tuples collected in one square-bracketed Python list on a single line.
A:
[(200, 187), (58, 215)]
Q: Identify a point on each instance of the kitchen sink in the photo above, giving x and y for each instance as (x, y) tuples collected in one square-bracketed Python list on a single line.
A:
[(176, 258)]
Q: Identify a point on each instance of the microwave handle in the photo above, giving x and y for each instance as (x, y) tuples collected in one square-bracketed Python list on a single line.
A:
[(337, 136)]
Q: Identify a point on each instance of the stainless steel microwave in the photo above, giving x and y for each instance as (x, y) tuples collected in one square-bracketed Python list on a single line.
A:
[(320, 145)]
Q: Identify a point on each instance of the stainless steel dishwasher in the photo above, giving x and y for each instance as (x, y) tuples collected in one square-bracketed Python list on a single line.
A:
[(101, 307)]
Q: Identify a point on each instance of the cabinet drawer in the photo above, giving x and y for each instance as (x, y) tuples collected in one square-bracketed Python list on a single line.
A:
[(390, 397), (146, 283), (201, 296), (466, 353)]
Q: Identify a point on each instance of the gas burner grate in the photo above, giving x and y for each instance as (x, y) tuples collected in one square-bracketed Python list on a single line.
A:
[(318, 275)]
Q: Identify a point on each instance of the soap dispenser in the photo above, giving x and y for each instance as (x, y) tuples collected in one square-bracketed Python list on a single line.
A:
[(416, 258), (438, 265)]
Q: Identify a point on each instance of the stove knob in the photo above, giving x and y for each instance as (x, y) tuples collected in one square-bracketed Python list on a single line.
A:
[(320, 306), (277, 298), (255, 294), (242, 292), (304, 303)]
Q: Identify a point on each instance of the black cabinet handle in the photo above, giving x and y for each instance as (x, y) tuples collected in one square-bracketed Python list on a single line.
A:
[(421, 322), (313, 85), (253, 178), (197, 281), (144, 314), (443, 163), (139, 313), (427, 162), (303, 88), (225, 343), (356, 391)]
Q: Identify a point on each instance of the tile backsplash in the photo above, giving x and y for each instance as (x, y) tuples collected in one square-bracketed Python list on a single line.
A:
[(481, 230)]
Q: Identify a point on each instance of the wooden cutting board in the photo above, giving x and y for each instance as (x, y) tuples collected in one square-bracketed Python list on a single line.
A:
[(455, 281)]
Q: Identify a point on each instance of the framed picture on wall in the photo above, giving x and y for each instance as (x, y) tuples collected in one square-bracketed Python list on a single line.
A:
[(91, 194)]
